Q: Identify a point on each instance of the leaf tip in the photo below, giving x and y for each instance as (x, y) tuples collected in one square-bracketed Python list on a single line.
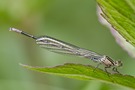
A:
[(23, 65)]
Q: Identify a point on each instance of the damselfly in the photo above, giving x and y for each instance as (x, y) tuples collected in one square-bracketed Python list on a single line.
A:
[(59, 46)]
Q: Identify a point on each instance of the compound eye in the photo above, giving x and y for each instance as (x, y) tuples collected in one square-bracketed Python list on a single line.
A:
[(118, 63)]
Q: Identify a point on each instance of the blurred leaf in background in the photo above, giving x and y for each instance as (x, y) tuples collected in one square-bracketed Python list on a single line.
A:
[(73, 21)]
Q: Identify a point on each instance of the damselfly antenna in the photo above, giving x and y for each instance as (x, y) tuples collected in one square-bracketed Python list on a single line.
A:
[(62, 47)]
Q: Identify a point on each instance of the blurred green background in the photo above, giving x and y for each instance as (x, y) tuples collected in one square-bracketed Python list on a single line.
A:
[(73, 21)]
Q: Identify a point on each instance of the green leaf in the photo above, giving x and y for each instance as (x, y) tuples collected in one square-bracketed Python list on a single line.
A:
[(86, 72), (121, 15)]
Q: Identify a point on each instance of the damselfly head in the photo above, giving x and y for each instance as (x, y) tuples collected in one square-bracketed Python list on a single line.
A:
[(118, 63)]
